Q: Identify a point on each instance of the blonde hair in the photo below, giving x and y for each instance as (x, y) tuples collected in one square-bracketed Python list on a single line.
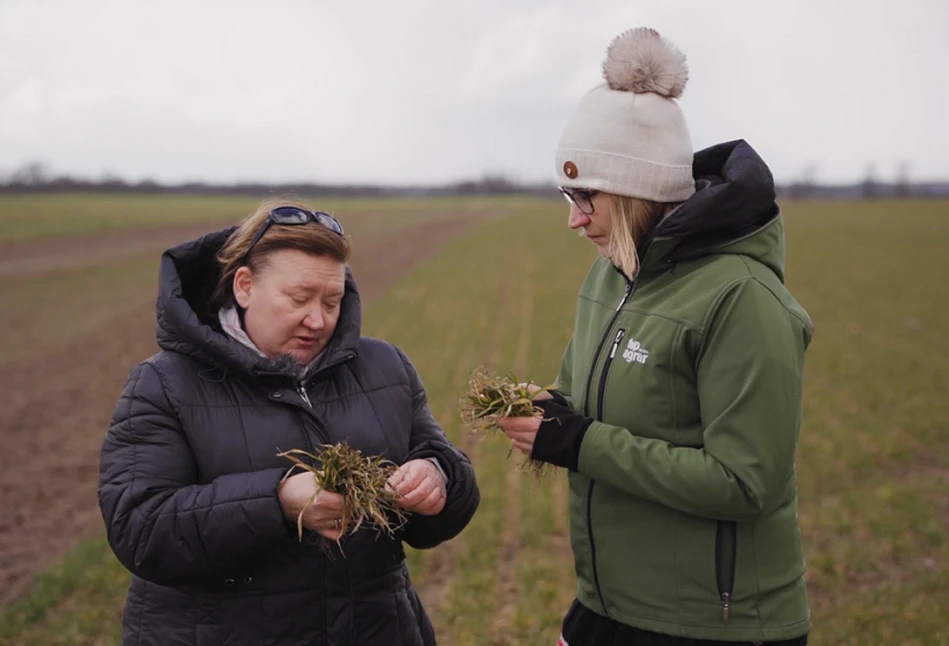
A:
[(311, 238), (632, 220)]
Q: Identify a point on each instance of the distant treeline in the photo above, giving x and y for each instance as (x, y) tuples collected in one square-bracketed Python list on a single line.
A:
[(201, 188), (35, 179), (866, 191)]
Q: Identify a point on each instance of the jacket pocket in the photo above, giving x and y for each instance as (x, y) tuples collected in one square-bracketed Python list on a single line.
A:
[(726, 557)]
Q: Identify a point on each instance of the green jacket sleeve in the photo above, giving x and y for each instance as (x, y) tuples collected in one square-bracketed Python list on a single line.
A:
[(749, 384), (564, 382)]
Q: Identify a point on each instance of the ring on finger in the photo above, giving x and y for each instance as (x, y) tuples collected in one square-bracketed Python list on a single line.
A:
[(336, 523)]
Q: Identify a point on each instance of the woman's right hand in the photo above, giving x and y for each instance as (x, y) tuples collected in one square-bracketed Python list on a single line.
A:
[(323, 516)]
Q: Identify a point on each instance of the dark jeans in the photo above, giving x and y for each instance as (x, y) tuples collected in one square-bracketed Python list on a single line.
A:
[(583, 627)]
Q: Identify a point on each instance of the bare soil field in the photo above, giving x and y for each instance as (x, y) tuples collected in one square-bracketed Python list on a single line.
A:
[(61, 252), (73, 252)]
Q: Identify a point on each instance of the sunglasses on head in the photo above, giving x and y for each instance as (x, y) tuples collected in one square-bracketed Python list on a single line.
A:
[(582, 198), (290, 216)]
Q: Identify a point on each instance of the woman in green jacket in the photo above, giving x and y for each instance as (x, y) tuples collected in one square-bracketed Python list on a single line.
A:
[(678, 401)]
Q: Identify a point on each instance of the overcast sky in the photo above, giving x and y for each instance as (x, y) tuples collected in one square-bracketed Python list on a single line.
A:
[(426, 91)]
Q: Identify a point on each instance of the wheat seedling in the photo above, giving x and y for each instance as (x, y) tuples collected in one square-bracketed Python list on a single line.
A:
[(490, 396), (360, 480)]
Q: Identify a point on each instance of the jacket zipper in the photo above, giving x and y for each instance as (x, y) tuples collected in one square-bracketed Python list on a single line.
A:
[(323, 611), (586, 410), (301, 388), (606, 371), (726, 555), (599, 347), (306, 436)]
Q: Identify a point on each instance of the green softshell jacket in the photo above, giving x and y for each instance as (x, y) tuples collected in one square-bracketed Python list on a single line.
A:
[(683, 510)]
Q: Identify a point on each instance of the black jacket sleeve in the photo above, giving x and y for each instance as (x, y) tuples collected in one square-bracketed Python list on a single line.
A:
[(161, 524), (428, 441)]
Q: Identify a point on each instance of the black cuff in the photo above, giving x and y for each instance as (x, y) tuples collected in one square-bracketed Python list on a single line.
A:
[(560, 435)]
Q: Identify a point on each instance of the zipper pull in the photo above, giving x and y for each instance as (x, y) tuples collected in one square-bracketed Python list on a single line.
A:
[(303, 394), (619, 337), (726, 605), (629, 288)]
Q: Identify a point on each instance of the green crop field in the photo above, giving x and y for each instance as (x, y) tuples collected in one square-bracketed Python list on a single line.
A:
[(873, 461), (27, 217)]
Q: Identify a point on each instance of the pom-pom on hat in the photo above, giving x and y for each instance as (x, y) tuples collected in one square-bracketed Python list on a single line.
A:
[(628, 136)]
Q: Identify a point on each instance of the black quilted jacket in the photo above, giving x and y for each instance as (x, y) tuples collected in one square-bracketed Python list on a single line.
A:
[(189, 472)]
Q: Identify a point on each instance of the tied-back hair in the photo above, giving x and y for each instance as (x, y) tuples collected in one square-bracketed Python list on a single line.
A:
[(633, 221), (311, 238)]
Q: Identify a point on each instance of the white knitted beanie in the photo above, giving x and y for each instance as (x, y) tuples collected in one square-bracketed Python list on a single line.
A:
[(628, 135)]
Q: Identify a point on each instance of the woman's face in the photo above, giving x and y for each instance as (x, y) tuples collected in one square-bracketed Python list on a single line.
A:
[(291, 306), (596, 226)]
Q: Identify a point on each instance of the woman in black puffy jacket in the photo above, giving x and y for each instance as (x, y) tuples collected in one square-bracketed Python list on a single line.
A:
[(261, 351)]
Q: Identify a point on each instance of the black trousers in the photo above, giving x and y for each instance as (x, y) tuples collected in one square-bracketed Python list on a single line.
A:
[(583, 627)]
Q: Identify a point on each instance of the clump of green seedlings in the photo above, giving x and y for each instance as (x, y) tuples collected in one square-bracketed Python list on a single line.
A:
[(361, 480), (491, 396)]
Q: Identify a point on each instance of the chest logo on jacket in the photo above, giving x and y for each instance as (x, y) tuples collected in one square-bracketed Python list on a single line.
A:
[(635, 352)]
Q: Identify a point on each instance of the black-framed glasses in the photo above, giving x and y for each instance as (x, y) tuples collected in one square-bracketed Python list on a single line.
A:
[(582, 198), (292, 215)]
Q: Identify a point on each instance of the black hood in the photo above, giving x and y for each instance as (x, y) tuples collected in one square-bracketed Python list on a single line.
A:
[(188, 322), (734, 197)]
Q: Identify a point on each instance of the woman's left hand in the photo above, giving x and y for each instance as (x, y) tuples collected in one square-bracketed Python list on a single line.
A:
[(420, 487), (521, 430)]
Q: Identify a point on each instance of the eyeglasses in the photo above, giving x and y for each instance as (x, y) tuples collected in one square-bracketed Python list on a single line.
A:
[(582, 198), (290, 216)]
